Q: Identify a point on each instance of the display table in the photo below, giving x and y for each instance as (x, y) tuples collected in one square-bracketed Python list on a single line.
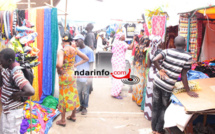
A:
[(203, 105), (103, 61)]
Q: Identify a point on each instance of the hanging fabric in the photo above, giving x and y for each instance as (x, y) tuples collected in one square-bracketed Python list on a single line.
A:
[(159, 26), (54, 45), (40, 31), (32, 19), (21, 16), (47, 56)]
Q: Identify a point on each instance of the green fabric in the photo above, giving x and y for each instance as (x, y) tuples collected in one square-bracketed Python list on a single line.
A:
[(50, 102), (144, 91), (54, 39), (33, 121)]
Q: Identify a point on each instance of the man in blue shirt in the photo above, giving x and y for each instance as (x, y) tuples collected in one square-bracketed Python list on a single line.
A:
[(83, 83)]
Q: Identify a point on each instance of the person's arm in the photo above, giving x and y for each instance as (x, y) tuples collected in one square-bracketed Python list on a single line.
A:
[(148, 61), (162, 72), (185, 83), (84, 58), (90, 41), (26, 91), (60, 56), (0, 77), (130, 47)]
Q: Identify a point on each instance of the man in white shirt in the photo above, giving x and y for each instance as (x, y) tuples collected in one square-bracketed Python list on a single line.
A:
[(100, 46)]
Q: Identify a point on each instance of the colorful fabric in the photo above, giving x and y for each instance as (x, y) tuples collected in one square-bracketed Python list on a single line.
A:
[(68, 97), (156, 41), (183, 31), (47, 56), (40, 31), (32, 18), (139, 71), (159, 26), (118, 63), (50, 102), (54, 43), (41, 116)]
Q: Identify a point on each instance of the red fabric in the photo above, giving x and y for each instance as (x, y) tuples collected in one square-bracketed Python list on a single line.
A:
[(133, 51), (40, 30), (26, 14), (11, 23), (199, 39), (71, 31), (159, 25)]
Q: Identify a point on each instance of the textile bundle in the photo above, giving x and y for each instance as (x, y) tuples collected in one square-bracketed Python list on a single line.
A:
[(41, 116)]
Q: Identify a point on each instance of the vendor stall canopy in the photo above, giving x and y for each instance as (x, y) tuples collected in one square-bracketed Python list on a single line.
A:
[(209, 11)]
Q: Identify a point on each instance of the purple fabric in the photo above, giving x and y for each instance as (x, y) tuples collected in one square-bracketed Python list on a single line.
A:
[(24, 126)]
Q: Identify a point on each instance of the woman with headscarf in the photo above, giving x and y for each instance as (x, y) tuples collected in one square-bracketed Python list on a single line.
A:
[(118, 62), (139, 69), (155, 45), (68, 94)]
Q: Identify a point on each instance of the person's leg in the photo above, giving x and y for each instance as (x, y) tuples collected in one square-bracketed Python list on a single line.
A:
[(165, 101), (156, 106), (62, 121), (85, 98), (72, 117)]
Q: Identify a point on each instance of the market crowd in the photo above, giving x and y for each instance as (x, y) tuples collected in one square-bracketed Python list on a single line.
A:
[(157, 69)]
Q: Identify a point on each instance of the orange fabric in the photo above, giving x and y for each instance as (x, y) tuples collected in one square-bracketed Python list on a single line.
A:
[(40, 30), (210, 12)]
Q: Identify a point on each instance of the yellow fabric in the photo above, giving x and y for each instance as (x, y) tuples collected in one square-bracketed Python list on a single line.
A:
[(210, 12), (179, 87), (7, 5), (32, 19)]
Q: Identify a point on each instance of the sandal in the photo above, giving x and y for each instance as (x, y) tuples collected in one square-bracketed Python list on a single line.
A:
[(70, 118), (60, 124), (118, 97)]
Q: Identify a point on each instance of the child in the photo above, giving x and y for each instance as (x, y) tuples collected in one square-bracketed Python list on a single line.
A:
[(12, 106), (175, 62)]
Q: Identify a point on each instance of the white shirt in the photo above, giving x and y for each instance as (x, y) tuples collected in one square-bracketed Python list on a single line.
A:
[(100, 46)]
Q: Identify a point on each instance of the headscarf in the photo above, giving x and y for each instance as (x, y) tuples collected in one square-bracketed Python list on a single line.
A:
[(117, 41), (156, 41), (140, 52)]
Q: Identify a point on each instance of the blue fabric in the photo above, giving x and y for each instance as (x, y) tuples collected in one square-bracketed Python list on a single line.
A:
[(211, 64), (175, 100), (50, 122), (86, 66), (47, 56), (193, 75)]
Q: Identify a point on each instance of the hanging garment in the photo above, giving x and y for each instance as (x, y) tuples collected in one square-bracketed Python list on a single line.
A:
[(47, 56), (40, 31), (54, 45), (208, 46), (32, 18), (159, 26), (21, 16)]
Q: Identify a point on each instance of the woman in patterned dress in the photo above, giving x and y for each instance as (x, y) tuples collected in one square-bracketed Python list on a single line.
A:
[(68, 95), (139, 69), (118, 62), (155, 45)]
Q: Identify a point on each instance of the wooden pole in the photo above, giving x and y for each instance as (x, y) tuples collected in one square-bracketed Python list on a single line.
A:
[(51, 1), (29, 8), (65, 16)]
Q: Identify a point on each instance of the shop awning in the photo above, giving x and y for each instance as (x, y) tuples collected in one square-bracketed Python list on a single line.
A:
[(209, 11)]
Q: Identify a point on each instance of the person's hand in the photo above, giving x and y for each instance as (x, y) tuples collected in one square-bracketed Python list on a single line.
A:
[(60, 71), (163, 74), (192, 94), (75, 65), (16, 96)]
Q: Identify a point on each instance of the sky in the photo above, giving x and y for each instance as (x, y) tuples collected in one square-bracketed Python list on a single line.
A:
[(127, 10)]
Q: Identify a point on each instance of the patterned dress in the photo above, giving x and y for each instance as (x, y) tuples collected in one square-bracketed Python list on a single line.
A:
[(68, 96), (139, 71), (118, 64)]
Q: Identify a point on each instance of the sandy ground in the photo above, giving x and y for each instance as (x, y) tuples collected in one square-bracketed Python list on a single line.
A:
[(107, 115)]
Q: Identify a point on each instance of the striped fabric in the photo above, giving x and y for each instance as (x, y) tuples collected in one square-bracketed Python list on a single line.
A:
[(7, 89), (174, 62)]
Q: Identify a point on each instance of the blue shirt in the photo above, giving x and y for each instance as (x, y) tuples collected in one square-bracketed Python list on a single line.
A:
[(86, 66)]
